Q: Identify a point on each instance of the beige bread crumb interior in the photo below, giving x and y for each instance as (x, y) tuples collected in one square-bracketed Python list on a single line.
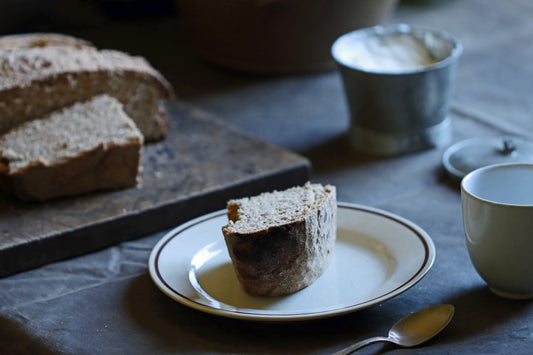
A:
[(282, 241), (91, 145), (40, 73)]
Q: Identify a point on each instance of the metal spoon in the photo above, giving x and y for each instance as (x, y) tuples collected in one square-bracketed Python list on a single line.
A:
[(412, 330)]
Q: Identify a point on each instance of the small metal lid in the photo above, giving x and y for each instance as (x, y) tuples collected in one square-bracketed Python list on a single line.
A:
[(468, 155)]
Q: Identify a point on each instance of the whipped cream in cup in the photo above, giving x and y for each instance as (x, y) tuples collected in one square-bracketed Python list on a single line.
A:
[(394, 53)]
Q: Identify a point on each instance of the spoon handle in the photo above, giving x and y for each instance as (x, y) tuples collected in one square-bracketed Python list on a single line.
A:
[(350, 349)]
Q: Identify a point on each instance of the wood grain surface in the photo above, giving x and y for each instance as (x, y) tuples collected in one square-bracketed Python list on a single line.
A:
[(199, 166)]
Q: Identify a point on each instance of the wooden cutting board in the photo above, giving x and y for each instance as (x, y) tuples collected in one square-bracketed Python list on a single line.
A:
[(201, 164)]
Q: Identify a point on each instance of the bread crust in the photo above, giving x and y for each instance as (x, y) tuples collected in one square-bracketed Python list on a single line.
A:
[(286, 258), (40, 39)]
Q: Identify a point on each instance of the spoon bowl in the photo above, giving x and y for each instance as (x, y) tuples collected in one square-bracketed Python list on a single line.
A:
[(412, 330)]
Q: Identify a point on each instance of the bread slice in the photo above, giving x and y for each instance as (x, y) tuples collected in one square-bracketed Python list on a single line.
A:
[(35, 80), (88, 146), (282, 241)]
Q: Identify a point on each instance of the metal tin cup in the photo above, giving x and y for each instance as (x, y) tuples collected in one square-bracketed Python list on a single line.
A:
[(398, 81)]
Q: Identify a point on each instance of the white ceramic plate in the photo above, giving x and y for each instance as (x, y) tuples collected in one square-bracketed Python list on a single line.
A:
[(377, 256)]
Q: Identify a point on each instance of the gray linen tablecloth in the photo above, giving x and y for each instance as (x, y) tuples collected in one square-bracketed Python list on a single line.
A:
[(105, 302)]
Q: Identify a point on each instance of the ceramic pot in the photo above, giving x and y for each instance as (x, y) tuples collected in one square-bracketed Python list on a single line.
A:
[(276, 36)]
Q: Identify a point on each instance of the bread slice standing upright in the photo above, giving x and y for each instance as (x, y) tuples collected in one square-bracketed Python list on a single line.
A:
[(85, 147), (39, 75), (282, 241)]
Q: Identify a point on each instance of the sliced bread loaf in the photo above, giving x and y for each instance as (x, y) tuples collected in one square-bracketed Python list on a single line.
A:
[(35, 80), (282, 241), (88, 146)]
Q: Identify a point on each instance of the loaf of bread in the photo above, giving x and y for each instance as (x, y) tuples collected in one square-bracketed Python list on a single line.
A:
[(282, 241), (46, 72), (85, 147)]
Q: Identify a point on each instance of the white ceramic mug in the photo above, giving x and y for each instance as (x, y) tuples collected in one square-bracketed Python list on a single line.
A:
[(497, 203)]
